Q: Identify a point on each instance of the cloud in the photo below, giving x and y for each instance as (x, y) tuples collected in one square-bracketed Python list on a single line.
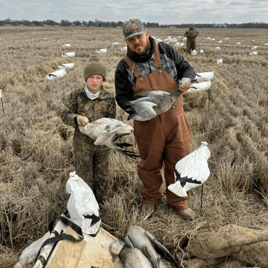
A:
[(163, 12)]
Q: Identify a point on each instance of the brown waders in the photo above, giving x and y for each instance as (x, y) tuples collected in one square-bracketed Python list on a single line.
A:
[(164, 139)]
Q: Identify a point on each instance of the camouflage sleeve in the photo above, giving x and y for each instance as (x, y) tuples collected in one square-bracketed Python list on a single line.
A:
[(111, 113), (70, 112), (186, 34)]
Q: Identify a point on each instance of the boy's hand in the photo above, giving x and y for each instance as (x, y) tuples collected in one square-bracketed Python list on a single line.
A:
[(81, 120)]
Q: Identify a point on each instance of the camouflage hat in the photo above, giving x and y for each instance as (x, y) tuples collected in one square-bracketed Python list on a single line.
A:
[(133, 27)]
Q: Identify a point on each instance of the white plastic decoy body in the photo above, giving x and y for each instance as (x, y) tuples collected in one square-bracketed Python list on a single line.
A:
[(57, 74)]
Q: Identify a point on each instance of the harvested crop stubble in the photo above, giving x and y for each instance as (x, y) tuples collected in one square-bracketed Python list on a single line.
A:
[(36, 152)]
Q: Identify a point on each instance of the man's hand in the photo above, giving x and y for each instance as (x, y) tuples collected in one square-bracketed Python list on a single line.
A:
[(185, 83), (81, 120)]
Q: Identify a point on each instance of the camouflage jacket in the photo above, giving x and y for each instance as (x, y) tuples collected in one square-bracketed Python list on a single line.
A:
[(191, 34), (80, 104)]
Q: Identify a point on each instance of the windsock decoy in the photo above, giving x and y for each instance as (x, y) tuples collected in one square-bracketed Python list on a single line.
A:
[(191, 171)]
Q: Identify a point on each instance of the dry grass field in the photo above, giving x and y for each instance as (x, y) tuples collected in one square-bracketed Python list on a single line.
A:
[(36, 147)]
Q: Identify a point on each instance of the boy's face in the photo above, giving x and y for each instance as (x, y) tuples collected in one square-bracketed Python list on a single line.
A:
[(94, 83)]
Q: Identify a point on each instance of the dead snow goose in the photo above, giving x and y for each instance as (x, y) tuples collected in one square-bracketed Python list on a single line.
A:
[(131, 257), (57, 74), (148, 104), (105, 131), (143, 240), (191, 171)]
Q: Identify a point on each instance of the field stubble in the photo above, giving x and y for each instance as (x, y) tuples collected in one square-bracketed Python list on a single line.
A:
[(36, 147)]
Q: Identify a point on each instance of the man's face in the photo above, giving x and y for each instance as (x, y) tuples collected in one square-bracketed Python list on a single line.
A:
[(191, 27), (94, 83), (139, 44)]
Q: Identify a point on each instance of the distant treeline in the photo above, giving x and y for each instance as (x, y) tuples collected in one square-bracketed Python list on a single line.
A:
[(98, 23)]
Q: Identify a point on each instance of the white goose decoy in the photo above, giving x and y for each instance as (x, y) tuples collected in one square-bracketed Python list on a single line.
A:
[(194, 52), (219, 42), (143, 240), (66, 66), (238, 43), (201, 51), (102, 50), (219, 61), (1, 94), (253, 53), (266, 44), (218, 48), (66, 45), (105, 131), (191, 171), (68, 54), (123, 48), (57, 74), (115, 43)]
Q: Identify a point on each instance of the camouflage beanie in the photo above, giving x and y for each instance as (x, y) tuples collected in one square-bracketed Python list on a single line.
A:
[(94, 66)]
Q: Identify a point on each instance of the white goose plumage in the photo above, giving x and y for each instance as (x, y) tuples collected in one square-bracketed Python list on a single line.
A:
[(146, 105), (105, 131), (191, 171)]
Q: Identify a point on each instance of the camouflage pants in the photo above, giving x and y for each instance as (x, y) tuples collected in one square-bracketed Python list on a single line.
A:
[(190, 45), (92, 165)]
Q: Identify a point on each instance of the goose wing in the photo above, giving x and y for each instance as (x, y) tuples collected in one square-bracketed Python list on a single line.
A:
[(163, 249)]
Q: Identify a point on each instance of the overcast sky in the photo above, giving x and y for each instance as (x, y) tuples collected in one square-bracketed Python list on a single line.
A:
[(161, 11)]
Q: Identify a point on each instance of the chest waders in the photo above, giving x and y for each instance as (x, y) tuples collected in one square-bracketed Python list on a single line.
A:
[(163, 139)]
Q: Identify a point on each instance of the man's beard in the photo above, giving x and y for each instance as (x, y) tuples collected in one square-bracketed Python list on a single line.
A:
[(145, 51)]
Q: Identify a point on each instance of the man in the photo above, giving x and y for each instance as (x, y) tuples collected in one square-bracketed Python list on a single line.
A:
[(191, 34), (87, 104), (166, 138)]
